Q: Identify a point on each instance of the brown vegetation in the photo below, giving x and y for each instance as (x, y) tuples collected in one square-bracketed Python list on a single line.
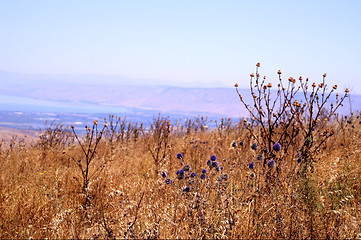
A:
[(109, 183)]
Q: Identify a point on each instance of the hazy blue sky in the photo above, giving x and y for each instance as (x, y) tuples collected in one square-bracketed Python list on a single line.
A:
[(184, 40)]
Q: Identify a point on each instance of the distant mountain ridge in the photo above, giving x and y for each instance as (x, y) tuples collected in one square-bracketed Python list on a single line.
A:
[(137, 96)]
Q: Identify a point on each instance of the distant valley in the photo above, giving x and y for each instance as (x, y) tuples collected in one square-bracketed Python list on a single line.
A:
[(28, 100)]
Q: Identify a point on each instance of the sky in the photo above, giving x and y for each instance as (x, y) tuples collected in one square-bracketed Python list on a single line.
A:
[(185, 41)]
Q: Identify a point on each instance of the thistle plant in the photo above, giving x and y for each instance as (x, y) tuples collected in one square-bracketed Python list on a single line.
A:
[(121, 130), (293, 118), (55, 136), (89, 146), (277, 117), (158, 140)]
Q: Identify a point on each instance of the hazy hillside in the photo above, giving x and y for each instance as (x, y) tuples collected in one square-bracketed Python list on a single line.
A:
[(112, 94)]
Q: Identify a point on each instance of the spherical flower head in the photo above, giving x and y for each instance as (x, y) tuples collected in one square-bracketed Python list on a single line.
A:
[(168, 181), (277, 147), (179, 155), (241, 143), (299, 160), (234, 144), (203, 176), (252, 174), (186, 189), (186, 168), (209, 163), (218, 169), (164, 174), (260, 157), (265, 150), (213, 158), (204, 170), (254, 146), (180, 176), (271, 163), (193, 174), (180, 172), (251, 165), (215, 164)]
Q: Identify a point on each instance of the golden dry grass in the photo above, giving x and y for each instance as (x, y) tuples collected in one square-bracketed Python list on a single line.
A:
[(41, 192)]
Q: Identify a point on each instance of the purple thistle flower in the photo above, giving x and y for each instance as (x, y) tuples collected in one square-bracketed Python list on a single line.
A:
[(193, 174), (299, 160), (254, 146), (271, 163), (251, 165), (277, 147), (204, 170), (209, 163), (180, 172), (164, 174), (179, 155), (186, 168), (203, 176), (168, 181), (252, 175), (241, 143), (213, 158), (234, 144), (260, 157), (180, 176), (215, 164), (265, 150)]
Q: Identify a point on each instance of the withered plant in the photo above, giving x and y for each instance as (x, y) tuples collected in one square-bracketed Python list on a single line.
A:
[(158, 140), (89, 147)]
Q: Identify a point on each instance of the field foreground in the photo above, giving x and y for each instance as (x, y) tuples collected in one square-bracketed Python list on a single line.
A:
[(291, 170), (180, 181)]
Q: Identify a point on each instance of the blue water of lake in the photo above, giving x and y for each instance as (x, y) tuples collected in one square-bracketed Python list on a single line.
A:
[(18, 103)]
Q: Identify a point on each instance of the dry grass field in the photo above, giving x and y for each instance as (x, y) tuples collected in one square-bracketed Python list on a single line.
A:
[(292, 170)]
